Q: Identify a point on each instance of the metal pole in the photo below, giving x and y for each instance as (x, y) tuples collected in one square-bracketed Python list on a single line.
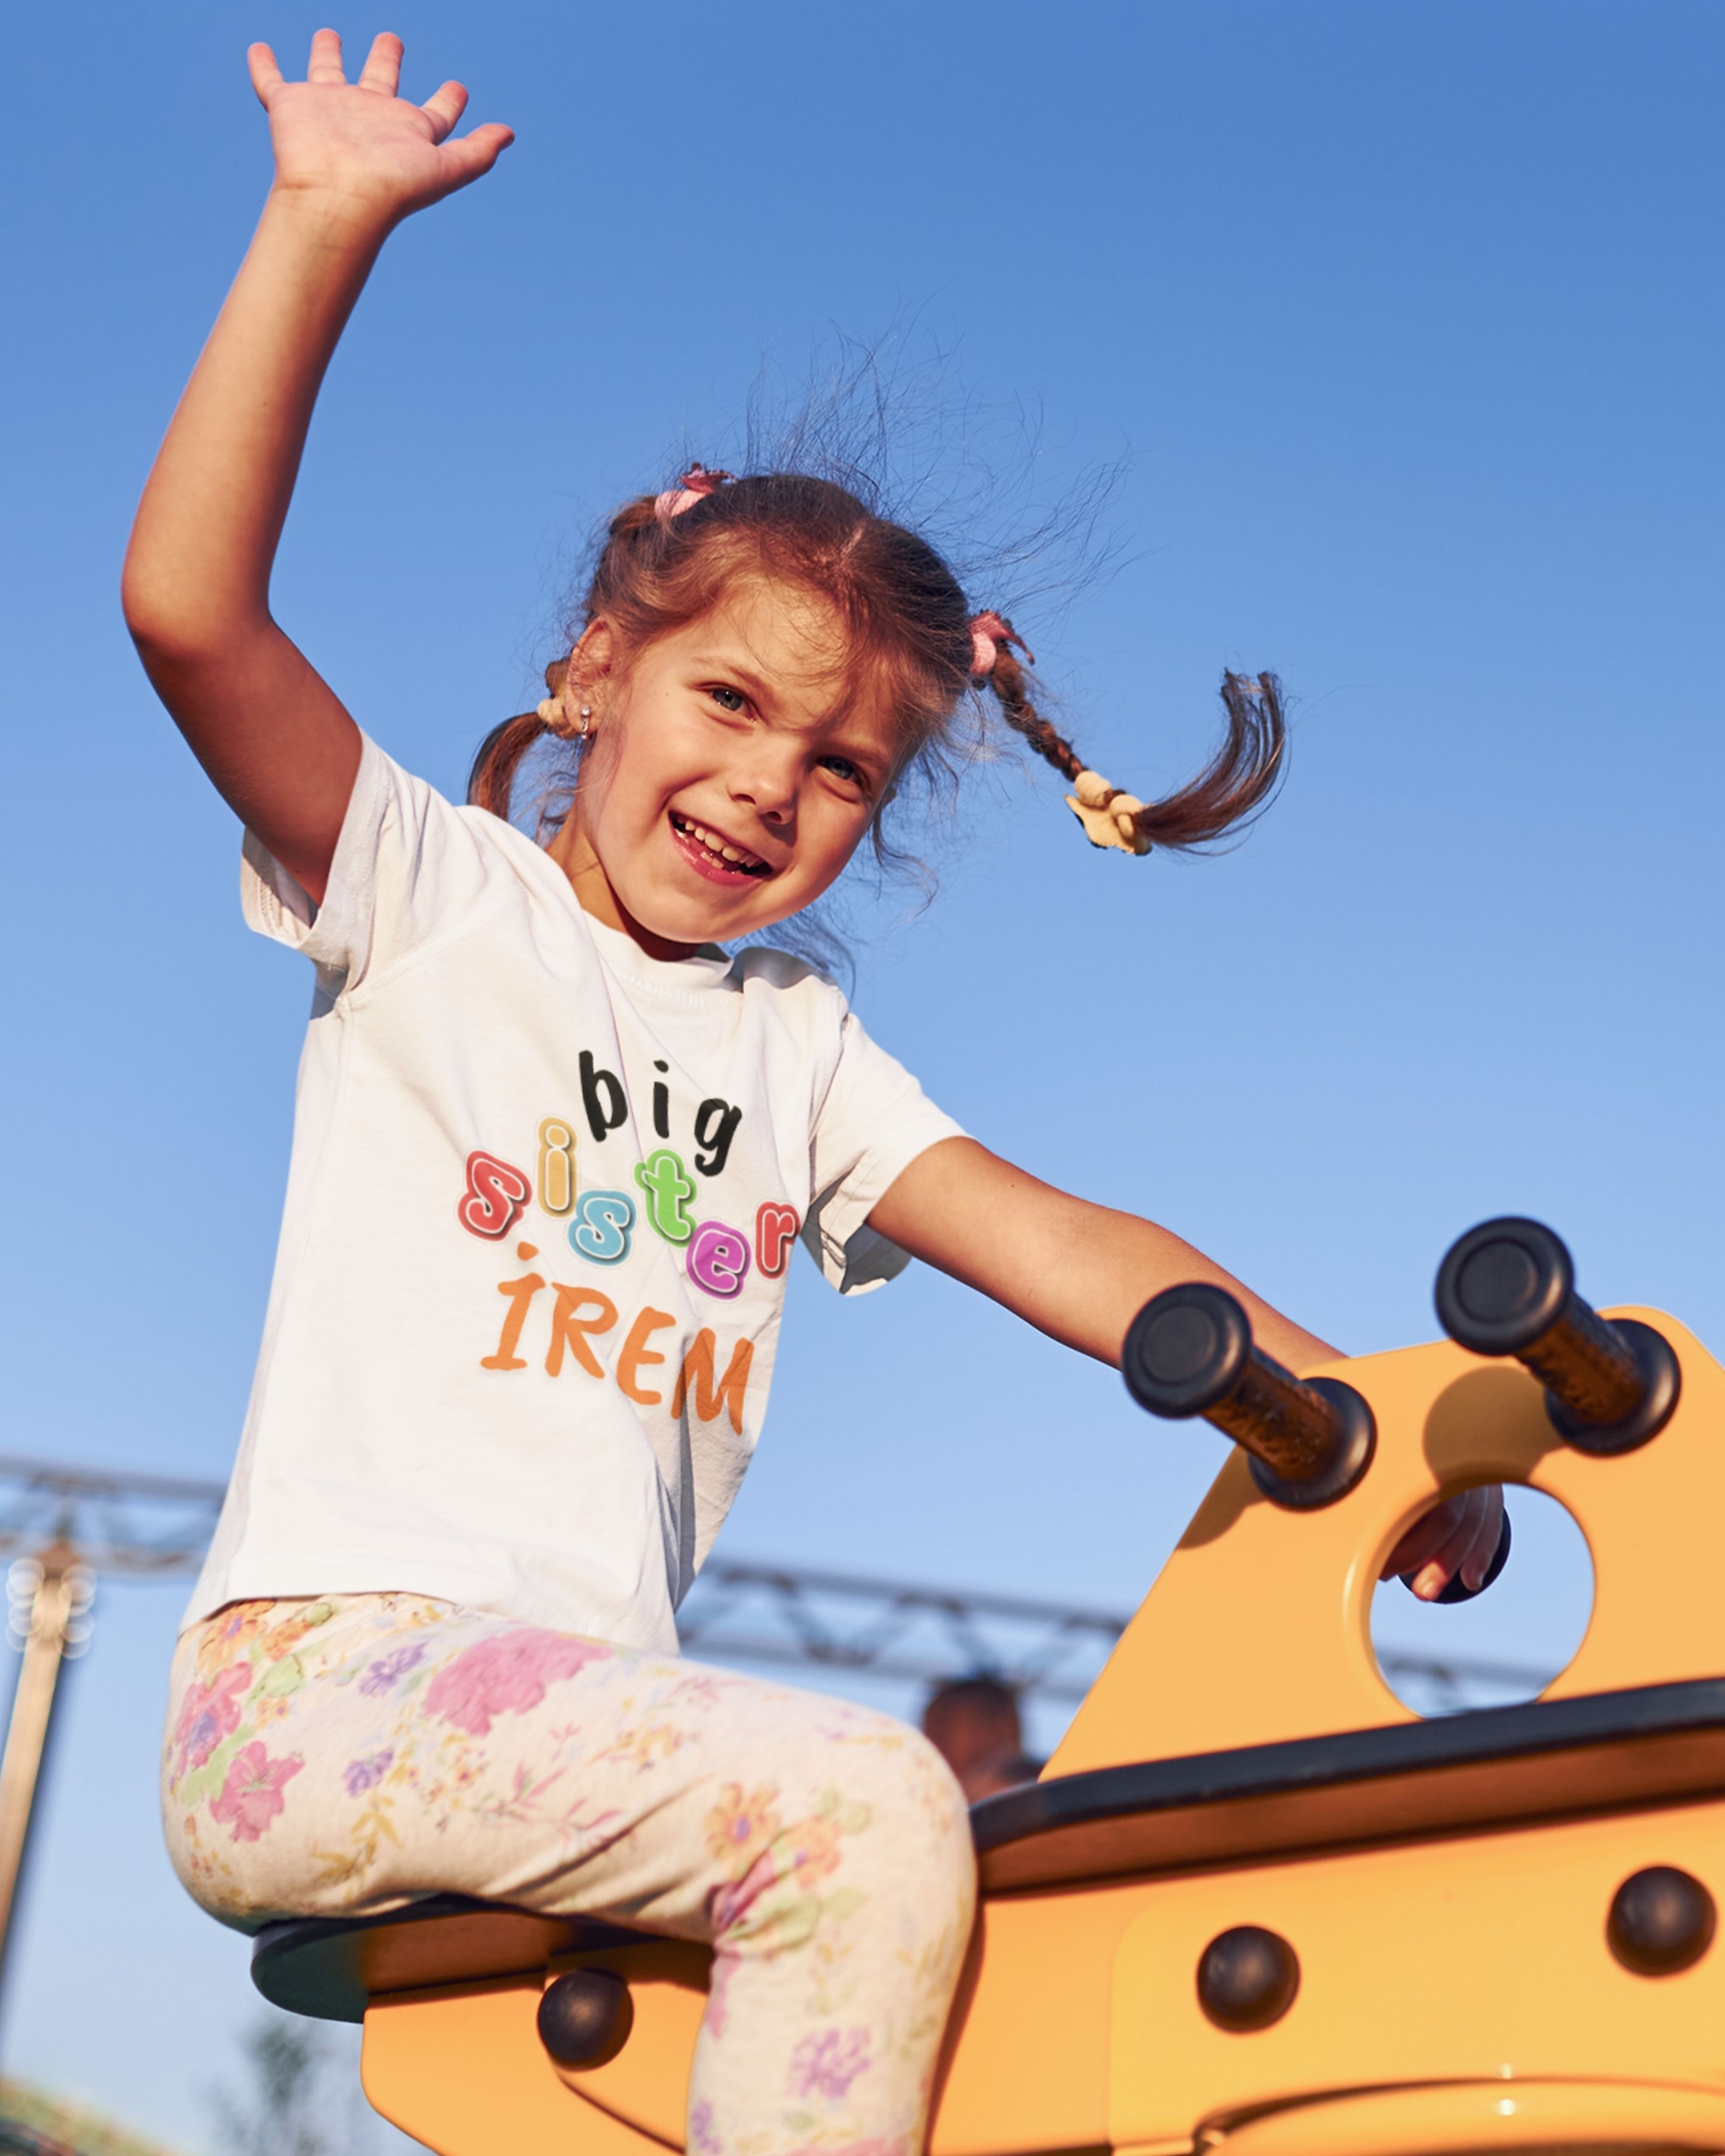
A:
[(50, 1594)]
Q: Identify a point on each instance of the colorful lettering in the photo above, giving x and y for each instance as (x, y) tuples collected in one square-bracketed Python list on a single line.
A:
[(603, 1096), (667, 1188), (661, 1104), (718, 1259), (776, 1229), (556, 1167), (495, 1196), (600, 1229), (570, 1328), (715, 1127), (710, 1395), (521, 1293), (636, 1352)]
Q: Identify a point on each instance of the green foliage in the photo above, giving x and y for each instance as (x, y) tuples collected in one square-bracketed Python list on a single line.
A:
[(302, 2096)]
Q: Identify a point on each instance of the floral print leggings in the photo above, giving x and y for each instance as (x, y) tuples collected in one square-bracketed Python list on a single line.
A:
[(344, 1755)]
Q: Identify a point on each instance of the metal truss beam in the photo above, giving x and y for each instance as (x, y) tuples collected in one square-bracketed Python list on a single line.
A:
[(144, 1525)]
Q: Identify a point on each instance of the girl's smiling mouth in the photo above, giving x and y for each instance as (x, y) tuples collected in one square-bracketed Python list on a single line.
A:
[(715, 856)]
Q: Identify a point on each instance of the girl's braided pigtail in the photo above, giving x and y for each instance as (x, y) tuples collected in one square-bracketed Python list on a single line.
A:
[(490, 783), (1233, 787)]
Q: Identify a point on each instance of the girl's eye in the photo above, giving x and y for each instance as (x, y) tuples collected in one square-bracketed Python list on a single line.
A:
[(845, 771), (728, 700)]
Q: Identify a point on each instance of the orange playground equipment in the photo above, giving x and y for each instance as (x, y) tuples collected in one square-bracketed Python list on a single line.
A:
[(1255, 1906)]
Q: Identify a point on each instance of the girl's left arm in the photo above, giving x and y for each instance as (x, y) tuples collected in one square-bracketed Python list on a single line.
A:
[(1079, 1271), (1082, 1272)]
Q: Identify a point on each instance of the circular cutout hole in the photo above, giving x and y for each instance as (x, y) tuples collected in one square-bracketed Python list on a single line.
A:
[(1507, 1645)]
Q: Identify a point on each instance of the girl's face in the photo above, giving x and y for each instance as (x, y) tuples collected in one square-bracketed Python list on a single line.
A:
[(730, 773)]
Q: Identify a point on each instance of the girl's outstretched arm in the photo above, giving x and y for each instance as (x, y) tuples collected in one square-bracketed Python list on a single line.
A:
[(1082, 1272), (1079, 1271), (352, 160)]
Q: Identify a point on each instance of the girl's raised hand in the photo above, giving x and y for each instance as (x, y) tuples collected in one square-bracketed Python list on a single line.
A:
[(1457, 1538), (360, 144)]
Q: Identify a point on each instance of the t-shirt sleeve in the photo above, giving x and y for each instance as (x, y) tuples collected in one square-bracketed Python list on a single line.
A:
[(874, 1120), (406, 862)]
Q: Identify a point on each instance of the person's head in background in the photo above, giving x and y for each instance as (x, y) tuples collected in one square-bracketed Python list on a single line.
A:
[(973, 1723)]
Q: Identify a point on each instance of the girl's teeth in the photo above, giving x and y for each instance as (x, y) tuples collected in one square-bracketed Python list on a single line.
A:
[(713, 843)]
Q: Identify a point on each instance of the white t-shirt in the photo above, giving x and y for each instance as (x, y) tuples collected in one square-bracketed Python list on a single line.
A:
[(543, 1192)]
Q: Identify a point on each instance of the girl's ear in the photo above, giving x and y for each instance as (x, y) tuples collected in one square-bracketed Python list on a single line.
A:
[(591, 662)]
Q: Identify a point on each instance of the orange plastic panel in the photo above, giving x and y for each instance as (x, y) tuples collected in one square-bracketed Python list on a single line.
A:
[(1609, 2118), (1470, 1960), (645, 2085), (1028, 2047), (462, 2070), (1259, 1626)]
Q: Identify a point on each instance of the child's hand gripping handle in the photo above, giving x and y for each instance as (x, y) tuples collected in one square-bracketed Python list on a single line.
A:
[(1189, 1352), (1507, 1287)]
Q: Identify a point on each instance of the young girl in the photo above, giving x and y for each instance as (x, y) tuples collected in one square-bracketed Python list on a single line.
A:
[(552, 1149)]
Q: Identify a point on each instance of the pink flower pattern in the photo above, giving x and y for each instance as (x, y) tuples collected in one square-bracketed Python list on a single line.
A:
[(251, 1796), (505, 1676), (731, 1902), (492, 1757), (209, 1712)]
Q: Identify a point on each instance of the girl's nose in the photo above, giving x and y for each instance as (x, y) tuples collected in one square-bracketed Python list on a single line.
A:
[(767, 784)]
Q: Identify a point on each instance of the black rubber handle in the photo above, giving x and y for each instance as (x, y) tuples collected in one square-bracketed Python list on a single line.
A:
[(1507, 1287), (1189, 1352)]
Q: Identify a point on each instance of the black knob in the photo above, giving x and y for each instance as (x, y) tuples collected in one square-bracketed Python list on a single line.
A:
[(1189, 1352), (1247, 1977), (585, 2016), (1507, 1287), (1661, 1920)]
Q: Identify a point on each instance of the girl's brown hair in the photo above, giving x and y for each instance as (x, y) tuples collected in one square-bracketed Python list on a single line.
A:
[(904, 618)]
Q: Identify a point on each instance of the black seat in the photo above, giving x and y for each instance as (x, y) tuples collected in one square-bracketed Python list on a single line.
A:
[(1496, 1766), (329, 1967)]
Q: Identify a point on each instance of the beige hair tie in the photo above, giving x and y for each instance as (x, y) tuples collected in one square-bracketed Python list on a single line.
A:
[(553, 712), (1108, 815)]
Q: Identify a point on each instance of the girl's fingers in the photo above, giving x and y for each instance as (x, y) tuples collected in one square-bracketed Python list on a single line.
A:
[(324, 64), (1422, 1541), (1440, 1568), (1457, 1552), (1461, 1531), (265, 73), (1487, 1534), (443, 108), (1426, 1547), (382, 71), (473, 156), (1467, 1548)]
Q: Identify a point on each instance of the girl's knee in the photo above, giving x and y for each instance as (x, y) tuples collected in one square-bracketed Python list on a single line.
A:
[(877, 1812), (920, 1847)]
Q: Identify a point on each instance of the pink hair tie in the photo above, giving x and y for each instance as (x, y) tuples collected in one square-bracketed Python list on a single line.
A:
[(988, 631), (696, 485)]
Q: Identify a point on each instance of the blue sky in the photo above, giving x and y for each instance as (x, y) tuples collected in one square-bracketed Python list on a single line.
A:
[(1407, 321)]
